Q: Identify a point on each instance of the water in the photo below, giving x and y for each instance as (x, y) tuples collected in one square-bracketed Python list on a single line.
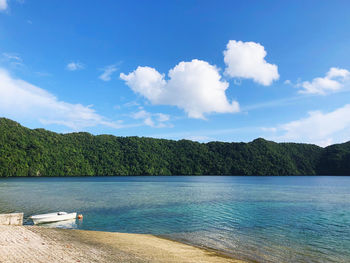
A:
[(264, 219)]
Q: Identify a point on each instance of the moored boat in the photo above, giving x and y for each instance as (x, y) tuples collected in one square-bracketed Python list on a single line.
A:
[(52, 217)]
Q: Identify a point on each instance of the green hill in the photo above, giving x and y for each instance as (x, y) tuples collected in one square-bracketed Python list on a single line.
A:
[(38, 152)]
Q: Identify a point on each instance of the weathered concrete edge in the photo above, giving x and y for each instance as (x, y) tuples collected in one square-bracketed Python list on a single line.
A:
[(15, 219)]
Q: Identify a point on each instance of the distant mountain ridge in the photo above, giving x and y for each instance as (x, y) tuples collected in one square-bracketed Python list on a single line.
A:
[(38, 152)]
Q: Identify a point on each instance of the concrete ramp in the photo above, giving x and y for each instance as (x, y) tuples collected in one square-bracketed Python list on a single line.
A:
[(15, 219)]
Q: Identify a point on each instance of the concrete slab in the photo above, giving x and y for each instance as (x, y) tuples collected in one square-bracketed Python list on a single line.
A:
[(15, 219)]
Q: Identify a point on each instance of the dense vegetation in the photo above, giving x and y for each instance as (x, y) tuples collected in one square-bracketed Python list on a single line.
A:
[(26, 152)]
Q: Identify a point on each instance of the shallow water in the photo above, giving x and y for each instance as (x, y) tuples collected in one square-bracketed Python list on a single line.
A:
[(265, 219)]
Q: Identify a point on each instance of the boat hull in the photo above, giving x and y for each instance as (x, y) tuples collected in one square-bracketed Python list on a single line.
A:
[(52, 217)]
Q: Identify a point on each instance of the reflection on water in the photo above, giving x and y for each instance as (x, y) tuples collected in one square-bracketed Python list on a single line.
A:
[(268, 219), (68, 224)]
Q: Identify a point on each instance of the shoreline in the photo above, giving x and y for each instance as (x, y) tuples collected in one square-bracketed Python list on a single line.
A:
[(41, 244), (217, 252)]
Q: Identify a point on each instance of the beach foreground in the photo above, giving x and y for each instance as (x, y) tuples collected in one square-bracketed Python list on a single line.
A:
[(40, 244)]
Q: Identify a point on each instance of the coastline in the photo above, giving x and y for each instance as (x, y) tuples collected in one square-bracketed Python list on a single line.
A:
[(40, 244)]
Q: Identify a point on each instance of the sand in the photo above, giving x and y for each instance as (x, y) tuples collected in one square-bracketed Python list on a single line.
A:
[(39, 244)]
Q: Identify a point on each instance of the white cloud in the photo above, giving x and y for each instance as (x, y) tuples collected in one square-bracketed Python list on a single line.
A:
[(155, 120), (73, 66), (268, 129), (161, 117), (247, 60), (338, 72), (3, 5), (43, 74), (199, 138), (318, 128), (334, 80), (287, 82), (131, 104), (22, 100), (13, 59), (195, 86), (107, 72), (12, 56), (214, 134), (273, 103)]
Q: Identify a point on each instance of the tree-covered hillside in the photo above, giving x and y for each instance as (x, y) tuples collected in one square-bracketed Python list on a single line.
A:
[(26, 152)]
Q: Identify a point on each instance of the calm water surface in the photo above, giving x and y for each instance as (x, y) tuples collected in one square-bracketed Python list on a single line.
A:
[(265, 219)]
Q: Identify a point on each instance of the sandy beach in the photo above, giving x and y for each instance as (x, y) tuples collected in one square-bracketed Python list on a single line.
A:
[(39, 244)]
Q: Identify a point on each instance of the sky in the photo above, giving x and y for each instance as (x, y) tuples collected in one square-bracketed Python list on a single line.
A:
[(228, 71)]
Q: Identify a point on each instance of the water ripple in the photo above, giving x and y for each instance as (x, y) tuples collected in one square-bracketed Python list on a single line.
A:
[(264, 219)]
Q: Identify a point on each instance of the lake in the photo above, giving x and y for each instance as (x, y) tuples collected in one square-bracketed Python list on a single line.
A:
[(258, 218)]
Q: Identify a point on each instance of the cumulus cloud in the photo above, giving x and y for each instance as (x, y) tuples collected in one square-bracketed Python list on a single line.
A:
[(335, 80), (22, 100), (247, 60), (107, 72), (73, 66), (155, 120), (3, 5), (195, 86), (318, 128)]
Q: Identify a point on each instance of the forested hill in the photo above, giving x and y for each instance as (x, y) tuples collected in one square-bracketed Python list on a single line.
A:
[(38, 152)]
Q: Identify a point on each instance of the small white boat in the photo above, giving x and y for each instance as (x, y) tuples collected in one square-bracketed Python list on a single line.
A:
[(52, 217)]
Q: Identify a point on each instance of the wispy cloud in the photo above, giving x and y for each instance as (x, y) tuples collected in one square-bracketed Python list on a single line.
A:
[(73, 66), (210, 134), (154, 120), (22, 100), (131, 104), (317, 127), (272, 103), (12, 56), (43, 74), (108, 72), (3, 5), (13, 59), (199, 138)]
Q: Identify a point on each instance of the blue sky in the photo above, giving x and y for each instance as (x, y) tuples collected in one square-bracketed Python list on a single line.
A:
[(199, 70)]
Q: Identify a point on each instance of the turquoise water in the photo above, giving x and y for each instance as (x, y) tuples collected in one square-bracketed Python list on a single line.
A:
[(264, 219)]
